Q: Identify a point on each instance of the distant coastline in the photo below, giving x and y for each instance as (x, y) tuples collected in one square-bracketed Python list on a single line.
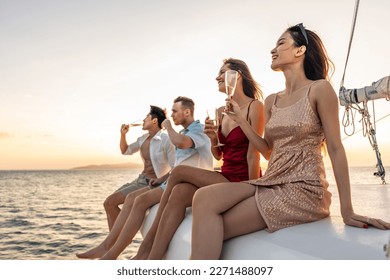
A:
[(119, 166)]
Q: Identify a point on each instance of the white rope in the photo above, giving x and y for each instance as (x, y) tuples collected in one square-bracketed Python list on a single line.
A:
[(355, 132), (349, 116)]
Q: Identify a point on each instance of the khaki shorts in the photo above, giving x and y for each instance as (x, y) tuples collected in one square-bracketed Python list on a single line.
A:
[(139, 183)]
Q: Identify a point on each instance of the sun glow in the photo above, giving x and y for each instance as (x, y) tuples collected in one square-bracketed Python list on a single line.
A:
[(70, 79)]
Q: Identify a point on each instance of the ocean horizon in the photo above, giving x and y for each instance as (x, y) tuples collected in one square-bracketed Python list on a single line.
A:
[(54, 214)]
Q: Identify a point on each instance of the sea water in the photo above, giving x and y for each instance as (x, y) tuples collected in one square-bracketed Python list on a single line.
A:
[(54, 214)]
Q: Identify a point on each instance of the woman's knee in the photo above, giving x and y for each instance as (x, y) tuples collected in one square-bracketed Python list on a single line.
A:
[(178, 172), (201, 200), (181, 195)]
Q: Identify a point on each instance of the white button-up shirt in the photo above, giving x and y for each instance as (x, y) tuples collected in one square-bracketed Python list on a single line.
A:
[(162, 152)]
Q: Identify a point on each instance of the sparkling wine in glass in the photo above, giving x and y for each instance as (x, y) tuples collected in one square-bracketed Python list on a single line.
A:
[(137, 123), (212, 113), (231, 77)]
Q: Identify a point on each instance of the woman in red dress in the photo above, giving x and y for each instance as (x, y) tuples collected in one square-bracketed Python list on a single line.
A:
[(241, 161)]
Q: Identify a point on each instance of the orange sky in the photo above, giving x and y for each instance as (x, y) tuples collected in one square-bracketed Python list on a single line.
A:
[(72, 73)]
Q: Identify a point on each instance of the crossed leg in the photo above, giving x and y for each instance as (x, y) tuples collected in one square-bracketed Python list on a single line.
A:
[(181, 174), (220, 212)]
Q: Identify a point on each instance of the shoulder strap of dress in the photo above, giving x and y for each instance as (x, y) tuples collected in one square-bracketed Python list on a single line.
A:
[(249, 106), (276, 96), (308, 91)]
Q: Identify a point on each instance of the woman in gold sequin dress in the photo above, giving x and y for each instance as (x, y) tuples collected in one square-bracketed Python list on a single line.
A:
[(293, 189)]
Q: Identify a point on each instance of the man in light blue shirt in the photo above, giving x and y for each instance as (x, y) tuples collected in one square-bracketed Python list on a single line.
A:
[(197, 155), (192, 144)]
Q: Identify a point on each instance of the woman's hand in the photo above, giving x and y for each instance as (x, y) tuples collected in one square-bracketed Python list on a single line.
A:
[(210, 130), (364, 221), (234, 111)]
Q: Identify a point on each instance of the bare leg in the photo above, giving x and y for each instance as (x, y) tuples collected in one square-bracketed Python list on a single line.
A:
[(111, 205), (242, 219), (180, 174), (134, 221), (173, 215), (208, 205), (103, 247), (112, 202)]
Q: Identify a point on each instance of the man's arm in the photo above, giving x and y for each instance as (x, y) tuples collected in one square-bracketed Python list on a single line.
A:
[(170, 151), (181, 141), (127, 149), (123, 143)]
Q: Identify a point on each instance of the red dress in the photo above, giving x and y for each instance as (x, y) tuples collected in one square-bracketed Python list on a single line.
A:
[(235, 164)]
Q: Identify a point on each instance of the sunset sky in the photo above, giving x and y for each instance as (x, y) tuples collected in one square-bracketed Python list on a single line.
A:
[(71, 72)]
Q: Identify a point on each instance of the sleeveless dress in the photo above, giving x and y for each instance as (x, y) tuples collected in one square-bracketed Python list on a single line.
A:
[(293, 189), (235, 164)]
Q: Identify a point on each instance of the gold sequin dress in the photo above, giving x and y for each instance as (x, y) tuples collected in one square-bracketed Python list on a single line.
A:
[(293, 189)]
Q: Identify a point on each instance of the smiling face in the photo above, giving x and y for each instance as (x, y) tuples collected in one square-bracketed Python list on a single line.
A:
[(285, 52), (221, 78)]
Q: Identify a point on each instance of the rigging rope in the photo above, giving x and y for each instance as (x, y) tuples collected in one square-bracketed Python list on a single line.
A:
[(349, 116), (349, 135), (350, 39)]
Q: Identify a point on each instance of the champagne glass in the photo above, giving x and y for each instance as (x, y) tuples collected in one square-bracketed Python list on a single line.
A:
[(137, 123), (212, 113), (231, 77)]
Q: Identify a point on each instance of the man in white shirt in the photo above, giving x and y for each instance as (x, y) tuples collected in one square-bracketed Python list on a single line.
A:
[(157, 153)]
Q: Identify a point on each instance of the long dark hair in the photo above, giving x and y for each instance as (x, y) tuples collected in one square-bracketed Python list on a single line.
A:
[(317, 64), (250, 86)]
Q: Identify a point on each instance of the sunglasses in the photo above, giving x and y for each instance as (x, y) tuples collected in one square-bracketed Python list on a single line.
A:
[(303, 31)]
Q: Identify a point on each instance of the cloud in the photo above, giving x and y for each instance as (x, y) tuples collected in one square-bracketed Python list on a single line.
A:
[(4, 135)]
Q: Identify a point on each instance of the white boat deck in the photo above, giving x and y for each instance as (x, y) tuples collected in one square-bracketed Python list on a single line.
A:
[(328, 239)]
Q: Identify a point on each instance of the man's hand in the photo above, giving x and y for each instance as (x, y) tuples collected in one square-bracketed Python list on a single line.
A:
[(155, 182), (166, 124), (125, 128)]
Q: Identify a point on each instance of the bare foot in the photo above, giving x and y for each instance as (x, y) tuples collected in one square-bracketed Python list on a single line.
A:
[(108, 256), (142, 255), (135, 257), (94, 253), (143, 251)]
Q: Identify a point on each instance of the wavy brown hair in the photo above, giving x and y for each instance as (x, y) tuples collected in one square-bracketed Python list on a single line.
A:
[(250, 86)]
